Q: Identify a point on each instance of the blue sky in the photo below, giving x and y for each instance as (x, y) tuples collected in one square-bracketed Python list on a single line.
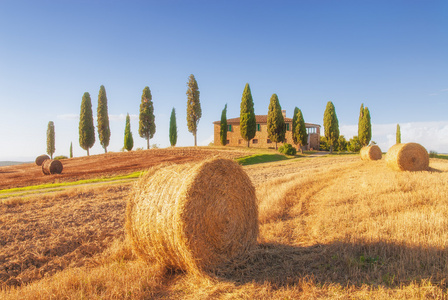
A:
[(390, 55)]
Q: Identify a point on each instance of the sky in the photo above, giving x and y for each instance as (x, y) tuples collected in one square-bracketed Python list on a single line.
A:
[(392, 56)]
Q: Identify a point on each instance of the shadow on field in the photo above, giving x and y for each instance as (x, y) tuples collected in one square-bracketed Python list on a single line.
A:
[(380, 263), (432, 170)]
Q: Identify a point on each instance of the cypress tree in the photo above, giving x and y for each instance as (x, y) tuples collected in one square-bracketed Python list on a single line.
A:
[(368, 136), (247, 116), (398, 134), (299, 135), (294, 124), (331, 125), (50, 139), (276, 123), (71, 150), (86, 128), (194, 112), (173, 128), (364, 126), (103, 119), (223, 129), (147, 125), (361, 115), (128, 139)]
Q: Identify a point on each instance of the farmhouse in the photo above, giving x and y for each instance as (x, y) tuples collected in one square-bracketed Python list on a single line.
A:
[(261, 139)]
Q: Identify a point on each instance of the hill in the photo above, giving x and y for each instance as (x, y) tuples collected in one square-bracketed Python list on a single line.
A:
[(112, 163), (330, 227), (11, 163)]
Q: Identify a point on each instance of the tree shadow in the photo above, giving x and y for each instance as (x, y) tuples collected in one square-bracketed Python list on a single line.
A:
[(344, 263)]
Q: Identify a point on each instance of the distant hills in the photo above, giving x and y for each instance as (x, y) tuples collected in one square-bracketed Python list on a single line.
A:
[(11, 163)]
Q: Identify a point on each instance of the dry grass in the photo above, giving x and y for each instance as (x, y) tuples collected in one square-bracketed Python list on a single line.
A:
[(334, 228)]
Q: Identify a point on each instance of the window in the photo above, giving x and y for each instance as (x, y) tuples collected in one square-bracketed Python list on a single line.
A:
[(227, 142), (229, 127), (254, 141), (269, 141), (240, 141), (311, 130), (287, 126), (258, 127)]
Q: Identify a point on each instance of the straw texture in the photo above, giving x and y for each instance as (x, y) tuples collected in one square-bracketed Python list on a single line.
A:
[(40, 159), (408, 157), (371, 153), (193, 217), (52, 167)]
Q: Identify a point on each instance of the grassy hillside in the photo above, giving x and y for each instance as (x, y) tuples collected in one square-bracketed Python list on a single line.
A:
[(330, 227)]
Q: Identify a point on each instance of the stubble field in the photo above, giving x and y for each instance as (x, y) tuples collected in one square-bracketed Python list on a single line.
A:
[(330, 227)]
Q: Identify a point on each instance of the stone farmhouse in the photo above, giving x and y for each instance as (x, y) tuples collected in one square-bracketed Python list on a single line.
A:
[(261, 139)]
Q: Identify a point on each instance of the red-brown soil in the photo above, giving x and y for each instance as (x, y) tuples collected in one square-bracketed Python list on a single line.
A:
[(106, 165)]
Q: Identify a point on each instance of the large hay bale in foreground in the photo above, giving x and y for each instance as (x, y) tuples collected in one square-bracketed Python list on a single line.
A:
[(50, 166), (371, 153), (40, 159), (408, 157), (193, 217)]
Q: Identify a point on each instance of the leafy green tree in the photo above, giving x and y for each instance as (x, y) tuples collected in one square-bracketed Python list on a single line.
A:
[(248, 123), (287, 149), (223, 129), (299, 135), (50, 139), (86, 128), (71, 150), (398, 134), (103, 119), (276, 123), (331, 125), (364, 126), (342, 143), (194, 112), (147, 125), (323, 144), (128, 139), (354, 145), (173, 128)]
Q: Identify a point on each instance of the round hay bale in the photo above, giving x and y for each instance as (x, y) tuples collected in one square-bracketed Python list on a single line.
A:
[(40, 159), (52, 167), (371, 153), (408, 157), (193, 217)]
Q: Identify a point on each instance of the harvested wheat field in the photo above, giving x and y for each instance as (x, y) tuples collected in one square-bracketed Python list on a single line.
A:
[(329, 227), (112, 163)]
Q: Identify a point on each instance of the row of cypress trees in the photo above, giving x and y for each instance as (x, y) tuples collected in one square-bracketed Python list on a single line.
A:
[(276, 127), (147, 126)]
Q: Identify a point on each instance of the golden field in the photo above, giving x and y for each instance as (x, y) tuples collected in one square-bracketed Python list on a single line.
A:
[(330, 227)]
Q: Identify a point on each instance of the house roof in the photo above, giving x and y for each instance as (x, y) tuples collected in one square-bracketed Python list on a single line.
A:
[(262, 119)]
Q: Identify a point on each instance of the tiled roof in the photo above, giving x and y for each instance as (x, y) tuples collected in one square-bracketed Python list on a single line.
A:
[(259, 119)]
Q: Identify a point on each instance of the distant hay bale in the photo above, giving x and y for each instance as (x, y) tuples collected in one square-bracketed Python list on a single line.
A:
[(371, 153), (40, 159), (52, 167), (193, 217), (408, 157)]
